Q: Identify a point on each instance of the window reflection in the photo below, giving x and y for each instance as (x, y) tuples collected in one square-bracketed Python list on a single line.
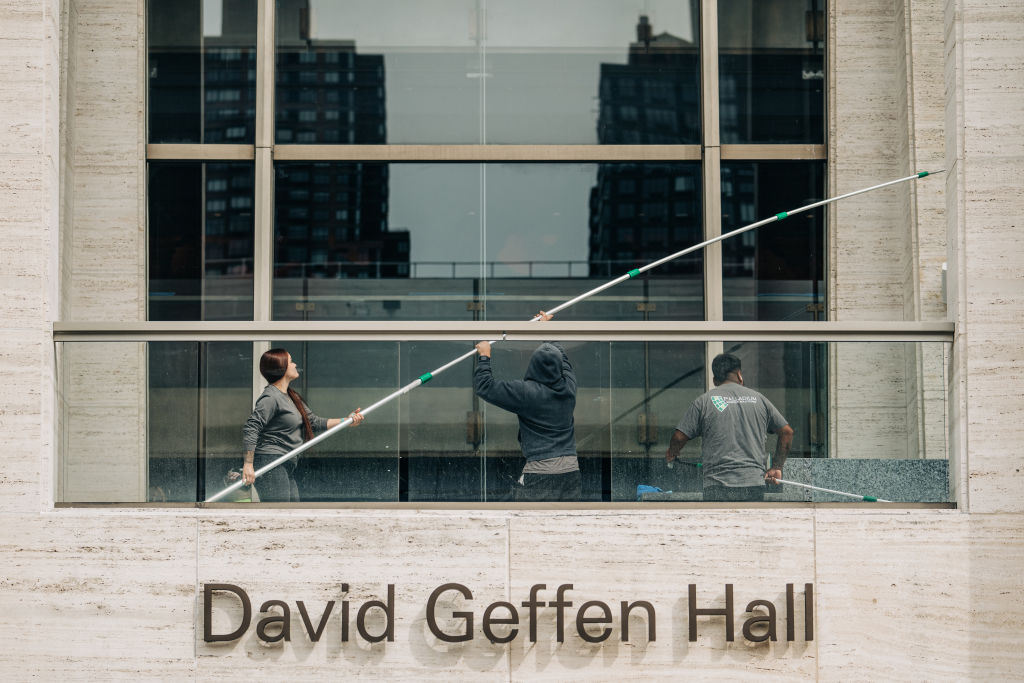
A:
[(200, 241), (771, 71), (483, 241), (774, 272), (473, 72), (202, 71), (439, 443)]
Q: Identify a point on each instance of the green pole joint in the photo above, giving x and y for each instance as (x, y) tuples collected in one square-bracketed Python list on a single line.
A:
[(922, 174), (425, 377), (781, 215), (870, 499), (634, 272)]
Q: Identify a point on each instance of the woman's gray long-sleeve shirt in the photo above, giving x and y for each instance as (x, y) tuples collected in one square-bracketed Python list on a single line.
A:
[(275, 426)]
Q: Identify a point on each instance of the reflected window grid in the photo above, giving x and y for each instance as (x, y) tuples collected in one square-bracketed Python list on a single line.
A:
[(335, 94)]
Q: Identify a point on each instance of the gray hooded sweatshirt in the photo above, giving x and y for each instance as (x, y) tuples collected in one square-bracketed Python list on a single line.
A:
[(543, 401)]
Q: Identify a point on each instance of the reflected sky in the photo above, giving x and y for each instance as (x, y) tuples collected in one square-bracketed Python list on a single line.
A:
[(481, 56), (530, 211)]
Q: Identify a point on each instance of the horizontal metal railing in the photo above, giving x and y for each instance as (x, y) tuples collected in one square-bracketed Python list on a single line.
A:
[(612, 330)]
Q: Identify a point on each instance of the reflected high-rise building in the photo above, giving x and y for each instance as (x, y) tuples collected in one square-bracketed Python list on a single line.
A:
[(641, 212), (331, 219)]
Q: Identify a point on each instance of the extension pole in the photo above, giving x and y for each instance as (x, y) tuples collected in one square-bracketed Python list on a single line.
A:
[(867, 499), (426, 377)]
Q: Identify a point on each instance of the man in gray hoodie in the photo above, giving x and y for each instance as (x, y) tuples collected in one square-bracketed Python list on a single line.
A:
[(543, 401)]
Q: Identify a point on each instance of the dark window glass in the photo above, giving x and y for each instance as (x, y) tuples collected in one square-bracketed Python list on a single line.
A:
[(771, 71), (200, 241), (484, 241), (202, 71), (199, 396), (773, 272), (505, 71)]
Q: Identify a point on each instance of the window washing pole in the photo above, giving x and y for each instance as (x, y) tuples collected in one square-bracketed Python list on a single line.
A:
[(866, 499), (426, 377)]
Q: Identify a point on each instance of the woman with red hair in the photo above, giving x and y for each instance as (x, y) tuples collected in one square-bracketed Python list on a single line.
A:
[(280, 422)]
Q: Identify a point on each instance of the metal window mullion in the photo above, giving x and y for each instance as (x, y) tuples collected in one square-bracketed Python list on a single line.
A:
[(264, 133), (711, 165), (263, 189), (263, 182)]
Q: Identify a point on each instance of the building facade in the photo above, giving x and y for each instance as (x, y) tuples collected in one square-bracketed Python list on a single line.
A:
[(375, 186)]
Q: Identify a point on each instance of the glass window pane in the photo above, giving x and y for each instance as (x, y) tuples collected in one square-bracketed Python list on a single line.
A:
[(773, 272), (170, 428), (505, 71), (202, 71), (200, 241), (650, 384), (771, 71), (484, 241)]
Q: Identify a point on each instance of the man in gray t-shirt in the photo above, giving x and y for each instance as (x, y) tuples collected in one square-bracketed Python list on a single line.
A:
[(733, 422)]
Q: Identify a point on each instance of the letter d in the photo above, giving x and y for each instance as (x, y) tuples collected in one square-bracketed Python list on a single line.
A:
[(208, 635)]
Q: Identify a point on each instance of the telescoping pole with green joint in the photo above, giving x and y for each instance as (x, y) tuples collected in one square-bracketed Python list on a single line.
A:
[(427, 376), (857, 496)]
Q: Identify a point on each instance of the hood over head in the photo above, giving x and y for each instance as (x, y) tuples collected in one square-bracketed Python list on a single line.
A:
[(546, 366)]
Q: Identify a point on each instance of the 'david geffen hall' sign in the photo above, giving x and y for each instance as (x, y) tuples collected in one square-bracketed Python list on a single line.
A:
[(501, 621)]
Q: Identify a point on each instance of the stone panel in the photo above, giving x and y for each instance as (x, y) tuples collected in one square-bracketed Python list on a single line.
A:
[(654, 557), (304, 556), (892, 601), (922, 596), (985, 53), (23, 366), (97, 597)]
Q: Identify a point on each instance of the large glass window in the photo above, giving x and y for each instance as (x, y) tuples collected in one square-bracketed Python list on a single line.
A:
[(772, 71), (528, 199), (202, 71), (439, 443), (483, 241), (500, 71), (775, 272), (200, 241)]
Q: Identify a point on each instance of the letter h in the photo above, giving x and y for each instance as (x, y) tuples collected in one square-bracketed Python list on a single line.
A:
[(730, 636)]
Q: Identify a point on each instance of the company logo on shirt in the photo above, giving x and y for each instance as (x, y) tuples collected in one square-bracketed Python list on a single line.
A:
[(722, 402)]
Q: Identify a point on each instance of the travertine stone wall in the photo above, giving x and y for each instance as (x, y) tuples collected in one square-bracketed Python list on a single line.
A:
[(104, 257), (101, 594), (885, 121), (985, 157), (29, 209), (864, 269), (917, 595)]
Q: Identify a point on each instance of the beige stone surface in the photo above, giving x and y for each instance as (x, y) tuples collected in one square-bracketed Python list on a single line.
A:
[(899, 595), (654, 557), (97, 597), (106, 141), (866, 274), (308, 557), (984, 65), (941, 603), (29, 88)]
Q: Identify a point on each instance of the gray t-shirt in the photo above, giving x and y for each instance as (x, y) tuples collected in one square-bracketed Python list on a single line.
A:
[(275, 426), (733, 422)]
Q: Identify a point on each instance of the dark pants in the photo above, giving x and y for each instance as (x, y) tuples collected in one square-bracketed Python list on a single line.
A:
[(278, 485), (732, 494), (538, 488)]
